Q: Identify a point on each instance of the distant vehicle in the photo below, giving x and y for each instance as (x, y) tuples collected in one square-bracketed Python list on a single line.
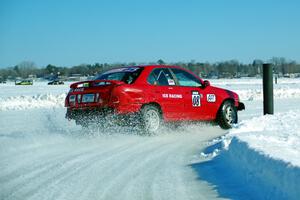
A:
[(155, 94), (24, 82), (56, 82), (2, 81)]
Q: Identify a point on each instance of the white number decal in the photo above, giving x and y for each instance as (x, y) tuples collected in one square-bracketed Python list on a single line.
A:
[(196, 100), (211, 98)]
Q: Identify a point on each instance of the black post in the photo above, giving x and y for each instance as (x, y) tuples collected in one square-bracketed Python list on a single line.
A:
[(268, 89)]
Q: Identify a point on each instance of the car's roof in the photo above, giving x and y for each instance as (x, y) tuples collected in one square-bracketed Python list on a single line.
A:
[(139, 66), (149, 66), (158, 66)]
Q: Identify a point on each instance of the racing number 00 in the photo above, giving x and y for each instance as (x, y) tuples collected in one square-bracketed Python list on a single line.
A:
[(196, 99)]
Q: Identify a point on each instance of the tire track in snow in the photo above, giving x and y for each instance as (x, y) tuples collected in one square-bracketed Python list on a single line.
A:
[(58, 164), (150, 169), (111, 167), (38, 174), (138, 165), (46, 165), (83, 171)]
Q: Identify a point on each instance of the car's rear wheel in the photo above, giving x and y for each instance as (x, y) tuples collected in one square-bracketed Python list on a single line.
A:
[(227, 115), (151, 119)]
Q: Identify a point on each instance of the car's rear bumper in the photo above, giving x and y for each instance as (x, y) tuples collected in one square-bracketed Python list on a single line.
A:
[(105, 117), (77, 112), (80, 113), (241, 106)]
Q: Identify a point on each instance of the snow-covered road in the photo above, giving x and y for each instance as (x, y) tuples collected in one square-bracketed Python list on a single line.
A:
[(44, 156)]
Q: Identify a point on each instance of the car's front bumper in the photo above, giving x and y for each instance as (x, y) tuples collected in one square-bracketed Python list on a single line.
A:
[(241, 106)]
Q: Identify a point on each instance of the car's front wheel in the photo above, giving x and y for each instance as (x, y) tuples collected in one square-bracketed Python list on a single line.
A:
[(151, 119), (227, 115)]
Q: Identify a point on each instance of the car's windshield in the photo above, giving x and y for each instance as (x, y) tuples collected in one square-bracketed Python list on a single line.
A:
[(127, 75)]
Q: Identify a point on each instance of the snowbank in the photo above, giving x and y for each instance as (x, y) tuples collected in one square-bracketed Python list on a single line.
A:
[(28, 102), (279, 93), (38, 88), (260, 159), (252, 89), (253, 81), (278, 136), (38, 95)]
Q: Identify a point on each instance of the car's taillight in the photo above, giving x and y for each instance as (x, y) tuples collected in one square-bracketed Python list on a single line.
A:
[(72, 99)]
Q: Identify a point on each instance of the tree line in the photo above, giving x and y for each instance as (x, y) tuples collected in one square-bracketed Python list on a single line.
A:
[(224, 69)]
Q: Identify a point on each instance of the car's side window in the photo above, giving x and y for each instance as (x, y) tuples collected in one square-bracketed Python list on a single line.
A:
[(161, 76), (186, 79)]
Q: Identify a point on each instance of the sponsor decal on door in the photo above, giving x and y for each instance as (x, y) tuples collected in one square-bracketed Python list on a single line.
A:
[(211, 98)]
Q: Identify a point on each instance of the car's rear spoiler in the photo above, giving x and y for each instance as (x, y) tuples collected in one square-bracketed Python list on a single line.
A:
[(95, 83)]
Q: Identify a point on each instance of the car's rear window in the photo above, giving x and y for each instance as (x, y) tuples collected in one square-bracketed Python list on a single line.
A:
[(127, 75)]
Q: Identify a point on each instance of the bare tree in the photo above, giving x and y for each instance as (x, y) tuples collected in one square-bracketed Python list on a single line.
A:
[(26, 68)]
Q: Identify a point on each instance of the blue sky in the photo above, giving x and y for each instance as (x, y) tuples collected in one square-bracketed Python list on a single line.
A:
[(66, 33)]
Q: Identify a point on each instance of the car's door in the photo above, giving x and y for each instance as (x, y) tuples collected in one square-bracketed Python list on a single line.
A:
[(164, 91), (196, 106)]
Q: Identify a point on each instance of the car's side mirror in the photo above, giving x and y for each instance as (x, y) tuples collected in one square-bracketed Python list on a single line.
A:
[(206, 83)]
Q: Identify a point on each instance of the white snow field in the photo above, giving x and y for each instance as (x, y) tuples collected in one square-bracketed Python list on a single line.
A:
[(44, 156)]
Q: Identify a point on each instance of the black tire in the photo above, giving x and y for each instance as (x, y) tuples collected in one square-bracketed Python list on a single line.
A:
[(227, 115), (151, 119)]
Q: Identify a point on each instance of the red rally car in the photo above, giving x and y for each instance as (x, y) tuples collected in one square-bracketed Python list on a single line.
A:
[(156, 94)]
